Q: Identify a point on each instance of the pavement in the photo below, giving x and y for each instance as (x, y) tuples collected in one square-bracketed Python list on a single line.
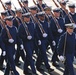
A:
[(57, 70)]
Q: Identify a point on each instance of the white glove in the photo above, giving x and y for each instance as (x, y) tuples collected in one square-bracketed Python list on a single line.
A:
[(22, 47), (10, 40), (60, 30), (74, 25), (29, 37), (4, 53), (44, 35), (14, 56), (54, 43), (61, 58), (39, 42)]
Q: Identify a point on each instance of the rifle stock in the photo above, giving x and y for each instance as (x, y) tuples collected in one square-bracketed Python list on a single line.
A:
[(34, 2), (4, 26), (39, 24), (26, 29), (66, 11), (55, 20), (3, 5), (20, 3), (55, 3), (69, 16)]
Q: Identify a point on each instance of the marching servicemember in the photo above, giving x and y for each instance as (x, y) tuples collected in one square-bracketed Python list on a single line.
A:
[(48, 12), (63, 9), (34, 10), (10, 37), (27, 34), (3, 15), (25, 6), (71, 17), (17, 21), (10, 12), (57, 27), (72, 14), (66, 49), (48, 19), (44, 32), (40, 5)]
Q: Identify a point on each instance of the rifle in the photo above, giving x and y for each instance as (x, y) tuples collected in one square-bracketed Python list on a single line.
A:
[(3, 5), (7, 30), (20, 4), (42, 10), (14, 6), (26, 29), (69, 16), (55, 20), (37, 5), (39, 24), (55, 3), (66, 11), (15, 16), (34, 2)]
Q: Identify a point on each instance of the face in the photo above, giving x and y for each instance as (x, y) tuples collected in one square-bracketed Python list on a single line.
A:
[(25, 4), (57, 14), (42, 18), (69, 30), (40, 1), (63, 5), (9, 23), (8, 7), (19, 14), (26, 19), (72, 10), (33, 11), (3, 16), (47, 12)]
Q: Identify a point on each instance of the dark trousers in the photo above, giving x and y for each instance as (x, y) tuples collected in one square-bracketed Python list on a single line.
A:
[(18, 54), (42, 55), (10, 60), (55, 56), (36, 47), (69, 65), (55, 52), (2, 46), (10, 65), (28, 59), (2, 58)]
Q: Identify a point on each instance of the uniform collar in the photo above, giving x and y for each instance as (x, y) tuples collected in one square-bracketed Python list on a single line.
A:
[(41, 21), (57, 17), (27, 22), (70, 33), (9, 26), (72, 13)]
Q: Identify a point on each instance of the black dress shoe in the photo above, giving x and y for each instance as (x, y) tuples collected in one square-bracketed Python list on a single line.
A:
[(2, 68), (48, 48), (18, 64), (40, 69), (55, 64), (50, 70), (27, 73), (35, 73)]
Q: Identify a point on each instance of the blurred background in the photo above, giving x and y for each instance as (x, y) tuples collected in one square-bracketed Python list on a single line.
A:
[(15, 3)]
